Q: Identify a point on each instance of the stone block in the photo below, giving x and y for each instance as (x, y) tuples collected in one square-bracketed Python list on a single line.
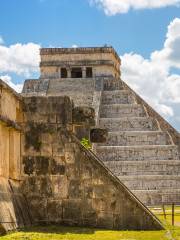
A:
[(60, 186), (118, 97), (75, 189), (84, 115), (54, 211)]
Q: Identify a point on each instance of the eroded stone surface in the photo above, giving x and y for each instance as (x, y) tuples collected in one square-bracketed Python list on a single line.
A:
[(69, 185)]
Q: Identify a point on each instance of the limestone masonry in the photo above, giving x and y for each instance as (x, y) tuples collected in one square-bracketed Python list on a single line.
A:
[(48, 177), (142, 149)]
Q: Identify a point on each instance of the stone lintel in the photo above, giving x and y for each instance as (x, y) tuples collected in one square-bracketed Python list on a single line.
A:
[(77, 63)]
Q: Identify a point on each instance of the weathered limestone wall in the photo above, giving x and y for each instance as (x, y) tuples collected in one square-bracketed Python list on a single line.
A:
[(76, 54), (80, 90), (13, 208), (64, 182), (104, 61), (10, 115), (10, 104)]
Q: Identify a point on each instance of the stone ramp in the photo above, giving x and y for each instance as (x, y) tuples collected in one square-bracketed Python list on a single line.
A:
[(141, 147)]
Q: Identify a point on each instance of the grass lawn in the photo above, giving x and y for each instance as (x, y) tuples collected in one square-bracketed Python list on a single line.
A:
[(75, 233), (71, 233)]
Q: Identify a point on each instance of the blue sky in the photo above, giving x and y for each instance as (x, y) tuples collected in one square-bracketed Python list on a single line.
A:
[(138, 33), (67, 22)]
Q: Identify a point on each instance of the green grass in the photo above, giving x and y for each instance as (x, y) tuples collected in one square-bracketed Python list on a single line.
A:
[(72, 233), (75, 233)]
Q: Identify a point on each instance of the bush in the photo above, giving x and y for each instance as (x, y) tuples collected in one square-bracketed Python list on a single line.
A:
[(86, 143)]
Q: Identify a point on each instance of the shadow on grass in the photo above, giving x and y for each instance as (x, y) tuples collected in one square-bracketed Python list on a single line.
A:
[(59, 229)]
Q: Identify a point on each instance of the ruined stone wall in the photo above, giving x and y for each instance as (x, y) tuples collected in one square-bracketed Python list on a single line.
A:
[(77, 54), (10, 115), (65, 183), (104, 61), (13, 208)]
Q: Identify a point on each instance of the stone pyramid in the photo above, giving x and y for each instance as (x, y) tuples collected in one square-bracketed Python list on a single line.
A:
[(140, 149)]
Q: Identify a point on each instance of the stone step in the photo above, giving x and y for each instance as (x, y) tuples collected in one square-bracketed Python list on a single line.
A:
[(137, 153), (129, 124), (130, 138), (157, 197), (118, 97), (113, 84), (151, 167), (151, 182), (122, 110)]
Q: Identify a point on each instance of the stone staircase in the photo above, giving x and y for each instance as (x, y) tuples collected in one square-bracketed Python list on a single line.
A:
[(143, 156)]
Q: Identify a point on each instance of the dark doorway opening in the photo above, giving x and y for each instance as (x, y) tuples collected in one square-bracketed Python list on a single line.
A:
[(63, 73), (76, 73), (89, 72)]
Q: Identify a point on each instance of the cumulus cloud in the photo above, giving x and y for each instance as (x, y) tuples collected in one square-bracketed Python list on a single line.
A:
[(74, 46), (7, 79), (18, 59), (22, 59), (152, 78), (1, 40), (112, 7)]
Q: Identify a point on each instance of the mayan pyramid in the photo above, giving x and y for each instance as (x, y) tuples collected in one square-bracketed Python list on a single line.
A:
[(142, 149)]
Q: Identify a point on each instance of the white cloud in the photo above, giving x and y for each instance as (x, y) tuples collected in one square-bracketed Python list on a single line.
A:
[(112, 7), (1, 40), (74, 46), (19, 59), (22, 59), (7, 79), (152, 78)]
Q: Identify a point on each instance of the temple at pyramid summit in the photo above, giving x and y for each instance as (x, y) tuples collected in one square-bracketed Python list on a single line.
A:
[(142, 149), (48, 175)]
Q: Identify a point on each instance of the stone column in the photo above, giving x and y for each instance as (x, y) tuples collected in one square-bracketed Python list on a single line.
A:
[(68, 72), (59, 72), (83, 72)]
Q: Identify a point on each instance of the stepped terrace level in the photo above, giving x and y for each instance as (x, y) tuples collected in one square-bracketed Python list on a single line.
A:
[(79, 62)]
